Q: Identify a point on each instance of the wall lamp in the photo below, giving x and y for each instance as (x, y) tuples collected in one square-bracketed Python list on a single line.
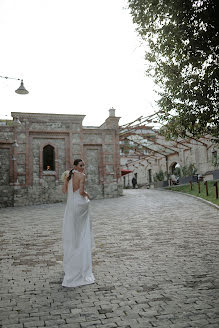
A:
[(21, 90)]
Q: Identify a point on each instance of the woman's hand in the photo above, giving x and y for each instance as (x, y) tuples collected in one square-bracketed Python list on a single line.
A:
[(82, 183), (87, 195)]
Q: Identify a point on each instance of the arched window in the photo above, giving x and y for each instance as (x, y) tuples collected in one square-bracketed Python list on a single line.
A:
[(48, 158)]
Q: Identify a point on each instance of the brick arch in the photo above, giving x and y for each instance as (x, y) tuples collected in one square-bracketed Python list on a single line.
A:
[(56, 171)]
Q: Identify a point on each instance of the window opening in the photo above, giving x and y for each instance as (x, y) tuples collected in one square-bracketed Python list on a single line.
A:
[(150, 176), (48, 158)]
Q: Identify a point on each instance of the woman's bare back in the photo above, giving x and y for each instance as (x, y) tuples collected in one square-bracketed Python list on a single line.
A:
[(78, 183), (77, 178)]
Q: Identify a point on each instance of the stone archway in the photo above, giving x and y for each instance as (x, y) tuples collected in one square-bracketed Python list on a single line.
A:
[(172, 167)]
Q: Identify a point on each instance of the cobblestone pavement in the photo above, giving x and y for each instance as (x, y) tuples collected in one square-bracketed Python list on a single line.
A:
[(154, 264)]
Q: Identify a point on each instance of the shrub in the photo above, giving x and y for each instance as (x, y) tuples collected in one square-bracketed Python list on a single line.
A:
[(159, 176)]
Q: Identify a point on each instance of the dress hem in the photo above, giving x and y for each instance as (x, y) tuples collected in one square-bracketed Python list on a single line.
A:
[(78, 285)]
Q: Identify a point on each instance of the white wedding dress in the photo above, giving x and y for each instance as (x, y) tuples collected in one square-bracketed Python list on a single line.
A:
[(77, 241)]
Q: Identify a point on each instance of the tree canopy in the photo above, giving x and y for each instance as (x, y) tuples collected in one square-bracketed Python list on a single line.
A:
[(182, 51)]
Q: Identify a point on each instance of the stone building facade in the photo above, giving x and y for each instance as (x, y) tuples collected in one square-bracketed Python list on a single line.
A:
[(35, 149), (145, 153)]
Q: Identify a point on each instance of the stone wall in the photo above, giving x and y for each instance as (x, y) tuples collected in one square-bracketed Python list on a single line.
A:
[(23, 179), (199, 152)]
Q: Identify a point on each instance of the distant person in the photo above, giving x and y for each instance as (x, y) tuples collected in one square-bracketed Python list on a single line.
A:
[(174, 179), (134, 182), (200, 177)]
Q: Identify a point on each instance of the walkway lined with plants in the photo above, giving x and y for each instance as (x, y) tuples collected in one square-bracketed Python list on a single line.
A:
[(155, 265), (207, 190), (184, 172)]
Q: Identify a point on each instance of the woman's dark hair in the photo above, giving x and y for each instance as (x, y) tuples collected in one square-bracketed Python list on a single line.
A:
[(76, 162)]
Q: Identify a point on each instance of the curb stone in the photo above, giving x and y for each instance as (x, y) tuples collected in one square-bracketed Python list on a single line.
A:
[(199, 198)]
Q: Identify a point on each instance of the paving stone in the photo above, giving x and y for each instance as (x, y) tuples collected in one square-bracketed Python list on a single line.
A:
[(105, 310), (108, 325), (70, 325), (90, 324), (181, 325), (33, 324), (155, 265), (200, 323), (19, 325), (10, 321)]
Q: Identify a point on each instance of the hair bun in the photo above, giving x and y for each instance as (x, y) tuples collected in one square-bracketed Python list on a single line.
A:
[(77, 161)]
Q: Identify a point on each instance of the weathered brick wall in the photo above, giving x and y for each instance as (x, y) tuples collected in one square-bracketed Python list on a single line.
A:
[(6, 166), (30, 184), (6, 191), (4, 171)]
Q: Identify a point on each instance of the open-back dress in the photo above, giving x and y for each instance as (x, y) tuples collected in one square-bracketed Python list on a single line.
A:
[(77, 241)]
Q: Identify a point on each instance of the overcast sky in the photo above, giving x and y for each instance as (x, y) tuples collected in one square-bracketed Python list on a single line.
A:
[(76, 57)]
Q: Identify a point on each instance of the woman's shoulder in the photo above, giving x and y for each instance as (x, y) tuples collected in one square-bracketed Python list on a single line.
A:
[(79, 174)]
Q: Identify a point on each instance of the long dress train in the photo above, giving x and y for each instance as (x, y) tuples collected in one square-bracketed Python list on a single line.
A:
[(77, 242)]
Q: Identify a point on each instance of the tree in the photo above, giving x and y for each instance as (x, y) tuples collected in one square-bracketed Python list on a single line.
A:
[(182, 42)]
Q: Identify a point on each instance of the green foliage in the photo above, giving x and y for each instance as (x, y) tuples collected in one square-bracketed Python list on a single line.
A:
[(211, 191), (126, 147), (182, 39), (215, 159), (188, 171), (159, 176), (177, 172), (8, 122), (167, 175)]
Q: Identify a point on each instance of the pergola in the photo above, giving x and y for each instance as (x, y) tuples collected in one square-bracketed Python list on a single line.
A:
[(148, 142)]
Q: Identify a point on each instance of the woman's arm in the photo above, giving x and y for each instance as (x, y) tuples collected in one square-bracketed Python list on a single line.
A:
[(81, 190), (65, 186)]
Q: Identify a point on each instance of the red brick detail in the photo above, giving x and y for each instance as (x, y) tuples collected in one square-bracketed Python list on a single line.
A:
[(15, 155), (67, 150), (117, 146), (30, 155), (27, 154), (81, 144), (56, 159), (69, 163), (104, 161)]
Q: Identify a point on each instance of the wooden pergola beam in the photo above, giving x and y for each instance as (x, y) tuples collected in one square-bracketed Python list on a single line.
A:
[(156, 151), (156, 143)]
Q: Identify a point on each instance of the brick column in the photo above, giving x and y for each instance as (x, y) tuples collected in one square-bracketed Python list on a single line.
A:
[(27, 125), (15, 158)]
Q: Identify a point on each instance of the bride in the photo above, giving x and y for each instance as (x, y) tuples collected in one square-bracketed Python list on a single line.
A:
[(76, 230)]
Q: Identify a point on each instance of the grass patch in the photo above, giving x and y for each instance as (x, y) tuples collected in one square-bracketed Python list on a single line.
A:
[(211, 190)]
